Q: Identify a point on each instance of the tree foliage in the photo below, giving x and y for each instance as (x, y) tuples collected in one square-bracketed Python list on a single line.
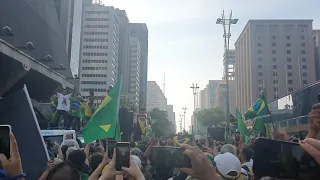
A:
[(161, 125), (210, 117)]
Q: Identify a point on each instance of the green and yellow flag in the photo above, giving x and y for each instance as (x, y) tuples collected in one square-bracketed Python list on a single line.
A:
[(258, 109), (104, 123), (260, 127)]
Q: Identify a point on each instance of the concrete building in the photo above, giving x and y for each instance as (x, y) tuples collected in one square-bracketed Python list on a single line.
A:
[(316, 41), (99, 51), (134, 72), (171, 117), (140, 30), (123, 58), (155, 97), (276, 53), (213, 84), (202, 99), (221, 96)]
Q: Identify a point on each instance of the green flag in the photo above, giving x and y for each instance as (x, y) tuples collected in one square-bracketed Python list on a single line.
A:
[(104, 122), (258, 109), (242, 128), (260, 127)]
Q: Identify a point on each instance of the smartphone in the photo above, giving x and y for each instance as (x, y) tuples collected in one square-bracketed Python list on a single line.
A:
[(5, 140), (284, 160), (122, 155), (170, 157), (111, 145)]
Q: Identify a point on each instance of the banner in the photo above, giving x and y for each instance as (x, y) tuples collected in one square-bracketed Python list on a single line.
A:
[(17, 111)]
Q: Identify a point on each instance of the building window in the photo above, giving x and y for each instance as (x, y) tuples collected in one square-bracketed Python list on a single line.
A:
[(274, 66), (275, 88), (305, 81), (304, 59), (303, 51), (289, 59), (288, 44), (259, 73), (259, 51), (259, 44), (288, 51), (274, 59), (303, 37), (303, 44), (304, 66), (260, 66), (274, 51), (275, 96), (289, 66), (304, 74), (275, 74), (274, 44), (260, 59), (288, 37), (275, 81), (290, 89), (289, 81), (274, 37), (289, 73)]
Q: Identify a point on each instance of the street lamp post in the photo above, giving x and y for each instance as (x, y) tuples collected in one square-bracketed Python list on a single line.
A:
[(226, 23), (195, 88), (180, 122), (184, 117)]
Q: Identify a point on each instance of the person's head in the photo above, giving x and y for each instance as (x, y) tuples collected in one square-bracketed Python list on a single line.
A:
[(95, 160), (64, 149), (98, 149), (77, 157), (132, 144), (69, 136), (228, 148), (245, 155), (64, 92), (69, 151), (228, 166), (64, 171)]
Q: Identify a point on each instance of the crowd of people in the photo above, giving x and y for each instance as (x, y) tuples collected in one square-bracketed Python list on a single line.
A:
[(217, 162)]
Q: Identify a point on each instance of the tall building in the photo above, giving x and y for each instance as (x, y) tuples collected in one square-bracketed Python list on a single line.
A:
[(155, 97), (99, 51), (123, 58), (70, 17), (220, 100), (140, 30), (316, 41), (171, 117), (202, 99), (277, 54), (213, 84), (134, 71)]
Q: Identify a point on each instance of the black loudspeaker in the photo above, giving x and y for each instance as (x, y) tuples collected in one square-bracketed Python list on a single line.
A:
[(217, 134)]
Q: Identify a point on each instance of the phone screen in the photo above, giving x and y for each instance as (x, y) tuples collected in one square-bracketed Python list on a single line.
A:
[(122, 155), (111, 145), (170, 157), (5, 140), (285, 160)]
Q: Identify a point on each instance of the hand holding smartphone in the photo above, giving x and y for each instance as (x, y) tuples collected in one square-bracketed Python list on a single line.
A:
[(5, 140), (122, 155), (111, 145)]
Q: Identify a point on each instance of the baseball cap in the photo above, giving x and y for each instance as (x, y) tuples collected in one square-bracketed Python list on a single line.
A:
[(228, 165)]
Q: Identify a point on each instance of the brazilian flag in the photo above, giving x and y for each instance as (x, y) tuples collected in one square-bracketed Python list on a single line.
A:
[(258, 109), (77, 108), (53, 105), (182, 139)]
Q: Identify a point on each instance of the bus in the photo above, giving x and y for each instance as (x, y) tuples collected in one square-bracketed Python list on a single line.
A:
[(290, 113)]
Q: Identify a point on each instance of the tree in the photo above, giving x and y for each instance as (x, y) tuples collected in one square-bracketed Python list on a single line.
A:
[(210, 117), (161, 125)]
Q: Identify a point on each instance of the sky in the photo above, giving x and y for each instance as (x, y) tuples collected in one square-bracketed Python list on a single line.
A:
[(187, 46)]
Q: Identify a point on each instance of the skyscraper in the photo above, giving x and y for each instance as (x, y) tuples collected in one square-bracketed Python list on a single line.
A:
[(155, 97), (134, 71), (277, 54), (99, 51), (140, 30)]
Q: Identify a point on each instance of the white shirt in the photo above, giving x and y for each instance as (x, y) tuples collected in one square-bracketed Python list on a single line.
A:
[(70, 143), (63, 102)]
